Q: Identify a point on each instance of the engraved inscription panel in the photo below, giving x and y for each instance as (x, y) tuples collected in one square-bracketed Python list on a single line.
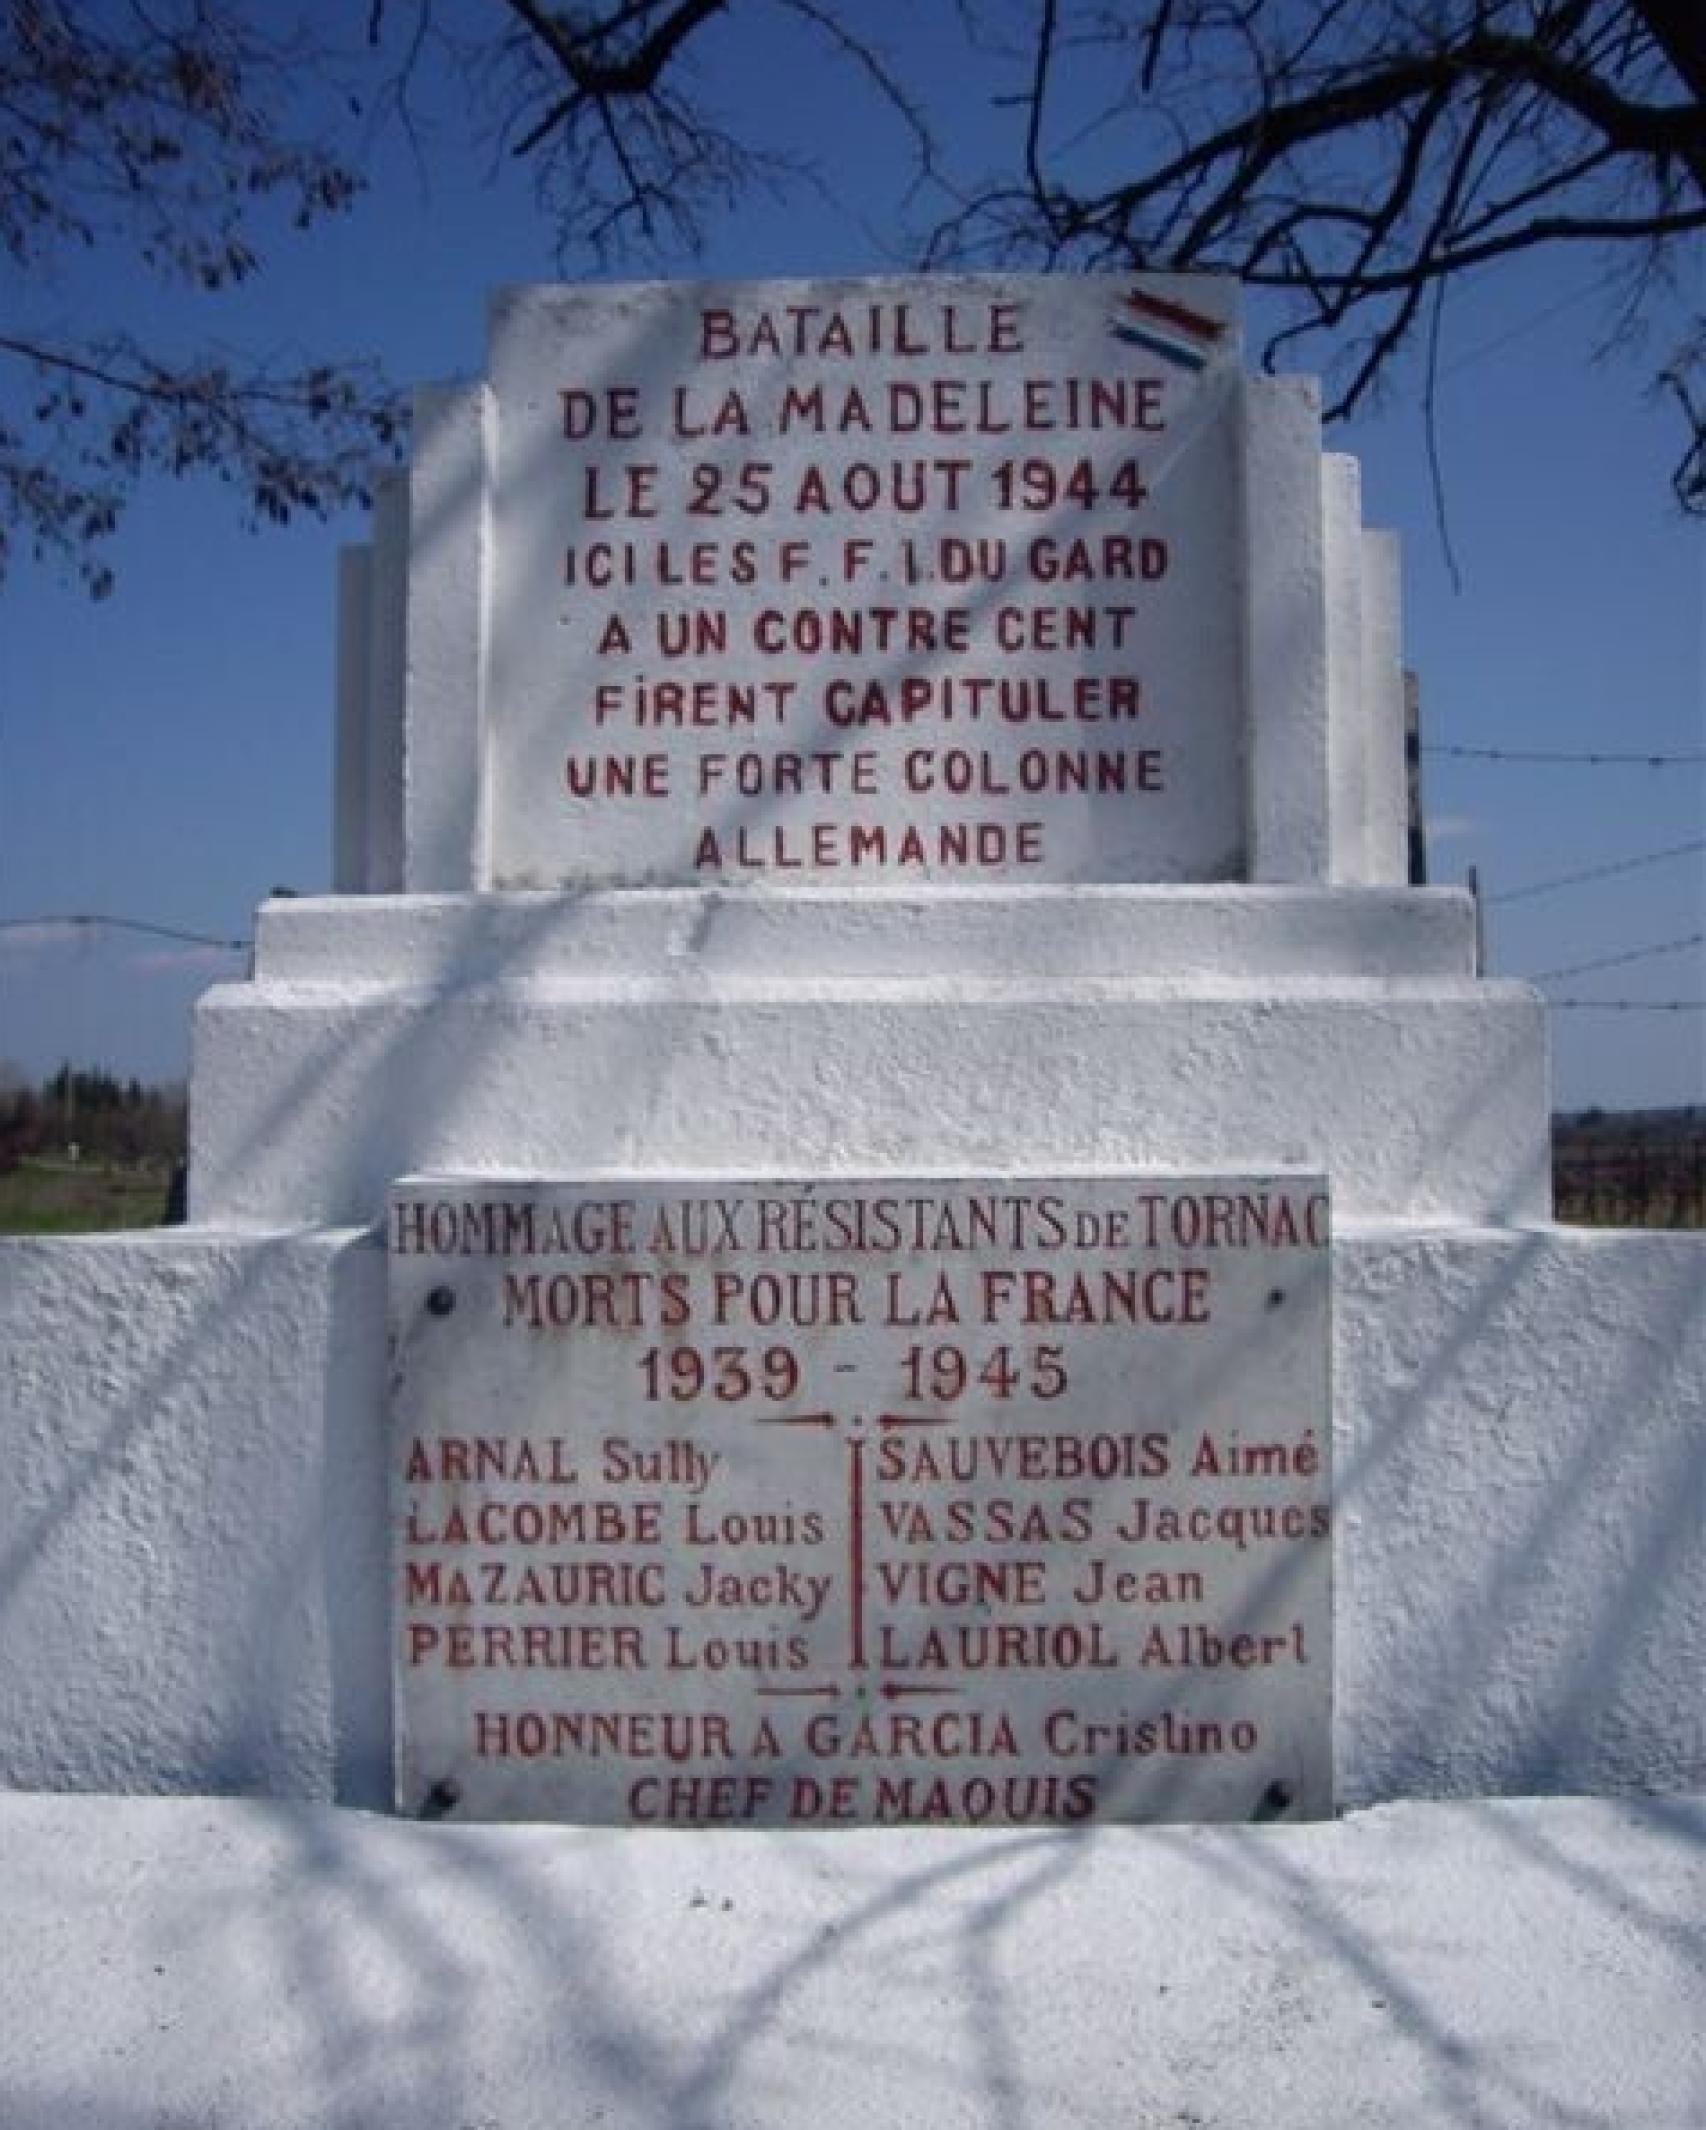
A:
[(867, 581), (862, 1502)]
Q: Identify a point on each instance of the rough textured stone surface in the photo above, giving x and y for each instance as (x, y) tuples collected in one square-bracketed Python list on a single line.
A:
[(1521, 1519), (449, 592), (307, 1118), (1424, 1967), (192, 1529), (1288, 747), (1187, 1029), (192, 1541), (1200, 935)]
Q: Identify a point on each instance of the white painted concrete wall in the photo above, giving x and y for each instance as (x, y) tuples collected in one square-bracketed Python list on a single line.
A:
[(191, 1582), (1181, 1028), (1386, 785), (1521, 1512), (192, 1532), (448, 637), (350, 721), (386, 687), (1288, 751)]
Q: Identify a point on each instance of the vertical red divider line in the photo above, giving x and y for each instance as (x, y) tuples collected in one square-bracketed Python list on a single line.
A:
[(856, 1546)]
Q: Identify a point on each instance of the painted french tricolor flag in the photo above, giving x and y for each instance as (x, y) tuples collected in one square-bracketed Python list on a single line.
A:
[(1171, 330)]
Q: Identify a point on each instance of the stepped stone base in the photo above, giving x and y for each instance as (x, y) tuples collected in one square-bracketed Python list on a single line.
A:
[(654, 1031)]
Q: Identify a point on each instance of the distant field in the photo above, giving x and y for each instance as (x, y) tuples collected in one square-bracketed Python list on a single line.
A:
[(1634, 1170), (49, 1197), (1606, 1195)]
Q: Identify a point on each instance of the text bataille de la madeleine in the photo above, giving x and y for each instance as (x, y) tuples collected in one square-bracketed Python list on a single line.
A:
[(673, 479), (618, 486)]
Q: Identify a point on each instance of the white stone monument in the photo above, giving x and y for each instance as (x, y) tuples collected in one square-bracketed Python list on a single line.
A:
[(929, 749), (760, 903)]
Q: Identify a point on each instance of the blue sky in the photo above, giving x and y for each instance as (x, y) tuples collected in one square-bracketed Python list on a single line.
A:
[(166, 755)]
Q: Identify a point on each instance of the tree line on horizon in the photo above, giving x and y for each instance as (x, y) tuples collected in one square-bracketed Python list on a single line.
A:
[(87, 1115)]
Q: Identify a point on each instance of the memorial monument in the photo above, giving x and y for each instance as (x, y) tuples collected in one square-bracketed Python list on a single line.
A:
[(872, 1202)]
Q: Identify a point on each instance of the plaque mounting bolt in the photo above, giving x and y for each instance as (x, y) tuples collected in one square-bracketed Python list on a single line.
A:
[(1275, 1801), (441, 1800), (441, 1301)]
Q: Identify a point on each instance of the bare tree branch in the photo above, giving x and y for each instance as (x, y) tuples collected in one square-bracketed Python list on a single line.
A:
[(1353, 157), (170, 131), (104, 414), (589, 56), (876, 69)]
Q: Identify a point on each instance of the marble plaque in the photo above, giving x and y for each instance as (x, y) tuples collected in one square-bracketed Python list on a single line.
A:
[(977, 1501), (859, 582)]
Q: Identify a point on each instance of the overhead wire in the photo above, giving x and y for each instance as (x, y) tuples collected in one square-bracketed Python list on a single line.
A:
[(96, 920), (1619, 961), (1567, 757), (1607, 871)]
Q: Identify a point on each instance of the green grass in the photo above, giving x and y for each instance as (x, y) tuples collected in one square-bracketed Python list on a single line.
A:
[(79, 1198)]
